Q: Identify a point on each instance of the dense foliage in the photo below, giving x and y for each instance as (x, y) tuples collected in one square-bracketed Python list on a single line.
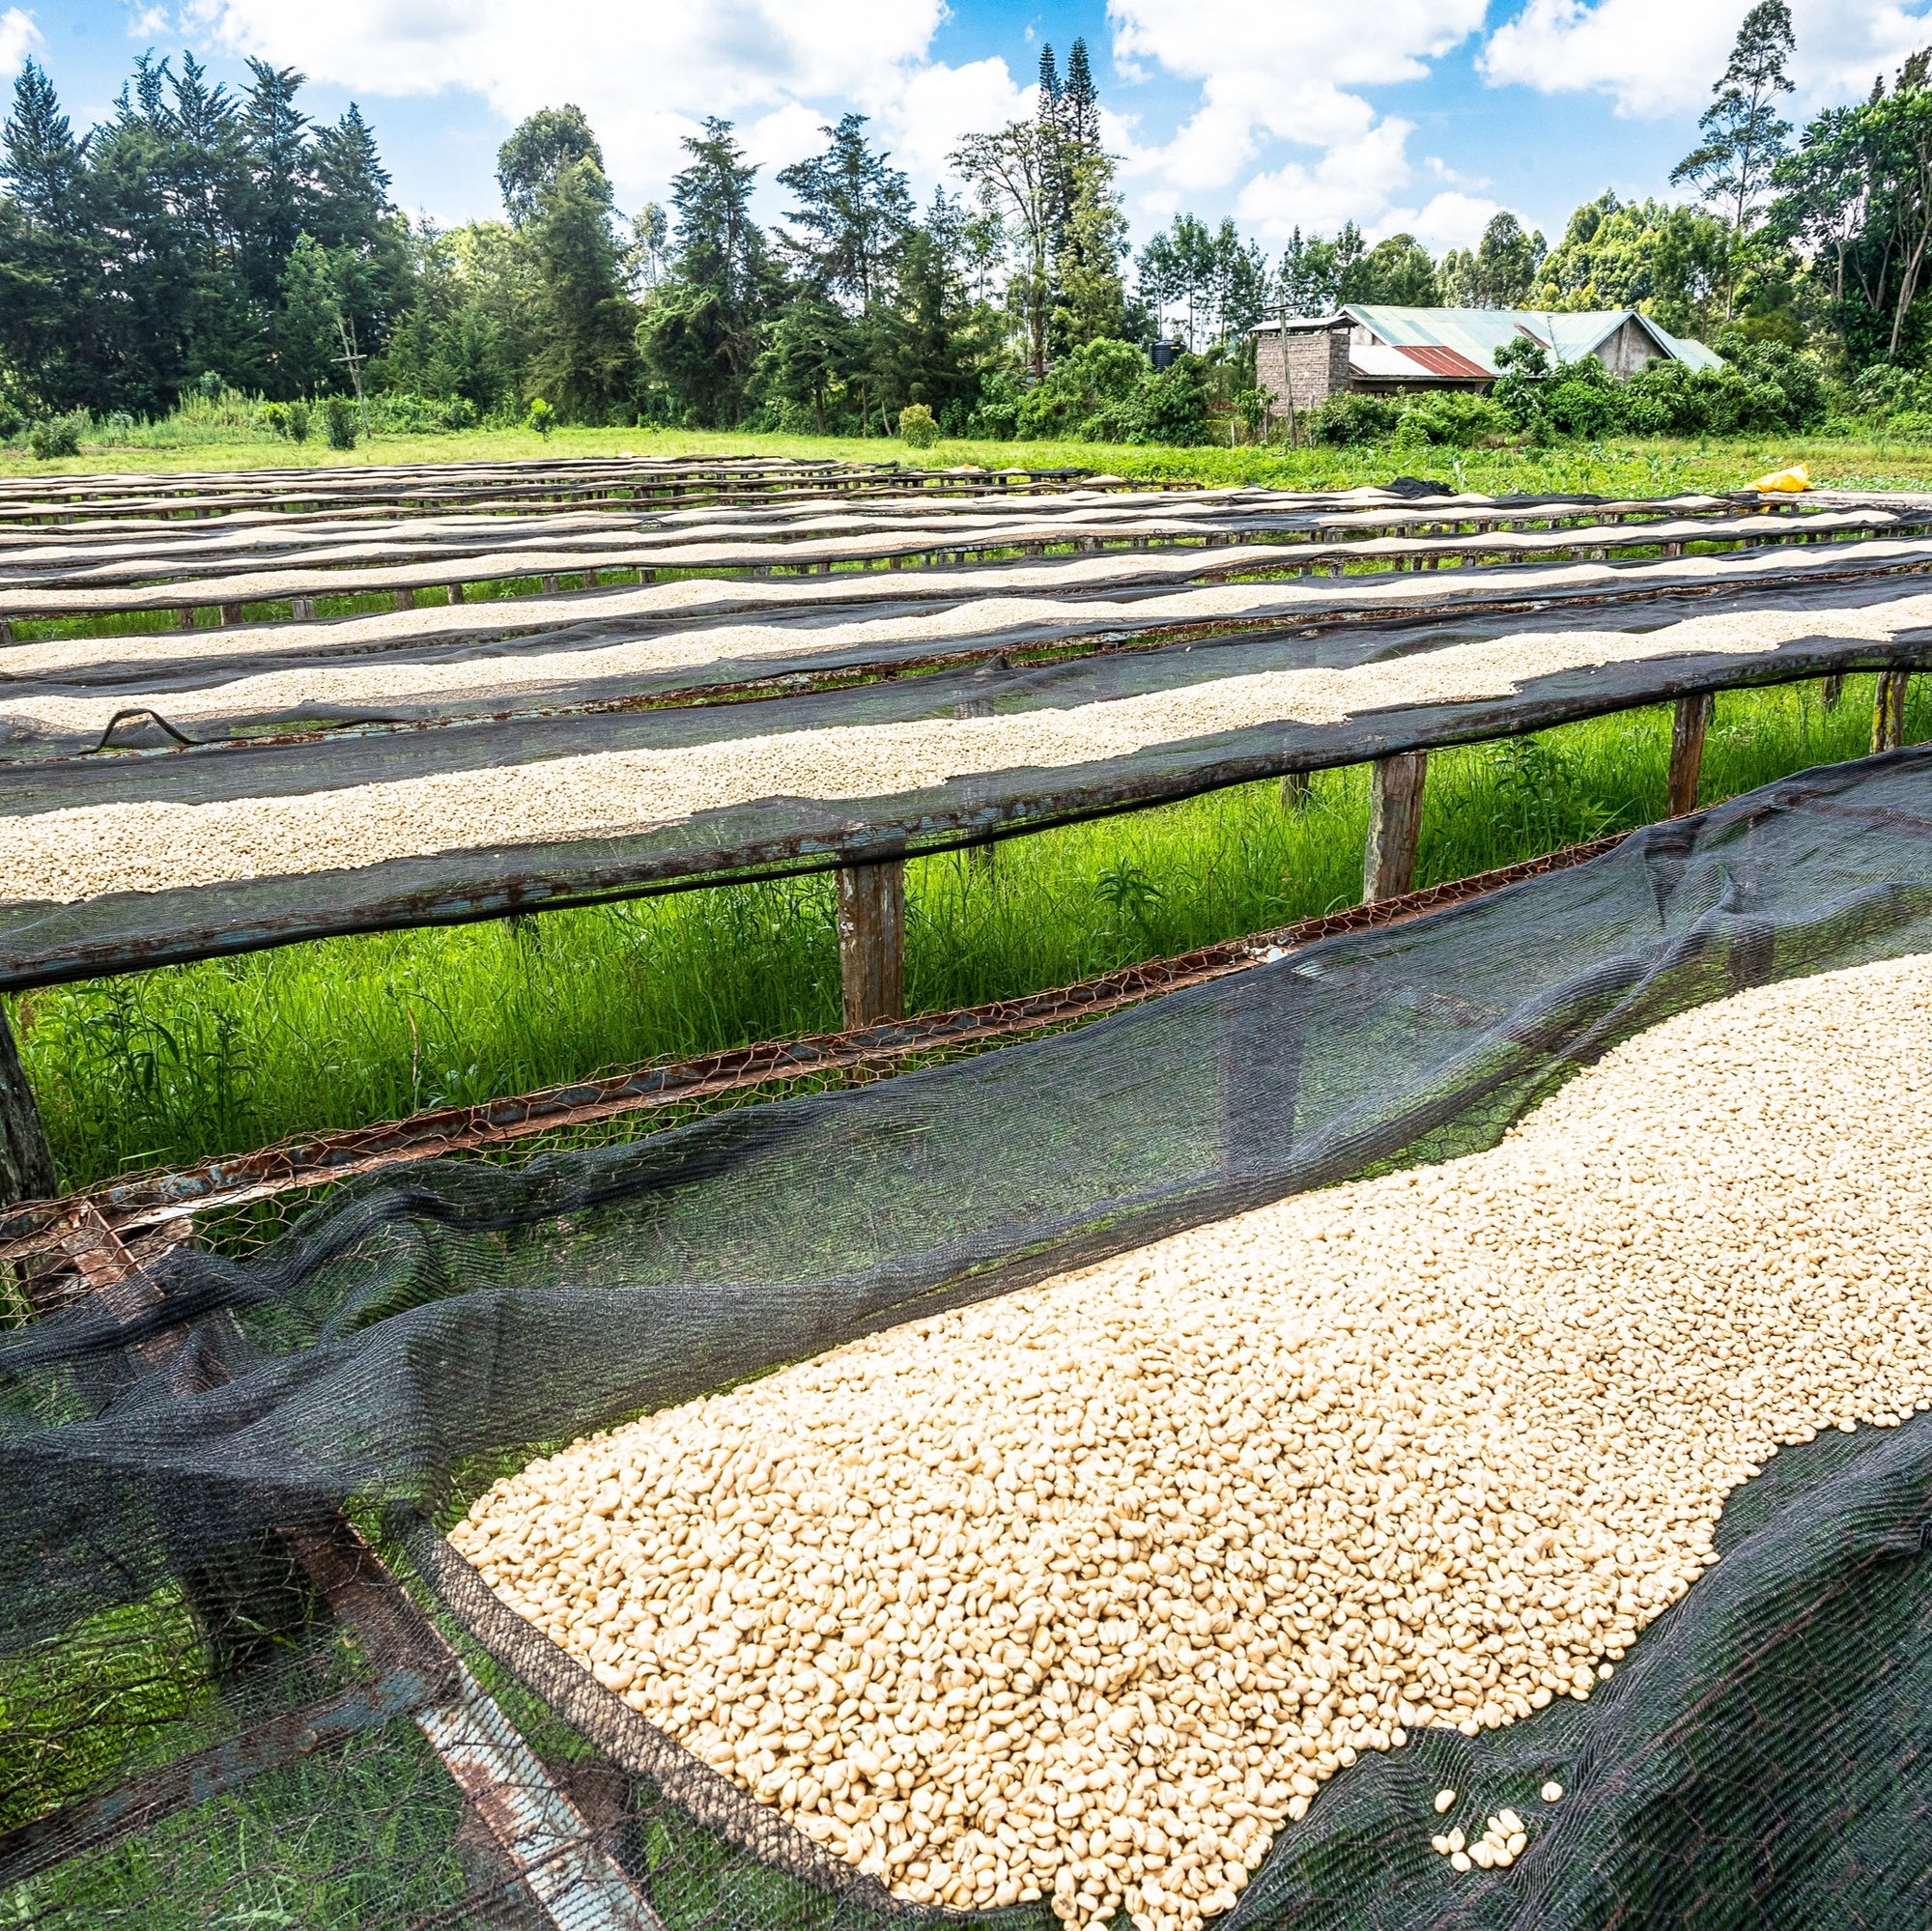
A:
[(221, 259)]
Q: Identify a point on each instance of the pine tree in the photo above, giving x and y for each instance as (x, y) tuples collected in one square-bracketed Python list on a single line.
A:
[(587, 366), (1080, 102), (274, 139), (41, 162), (853, 214)]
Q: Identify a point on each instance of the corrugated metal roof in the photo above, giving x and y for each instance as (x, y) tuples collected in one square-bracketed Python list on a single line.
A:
[(1475, 334), (1440, 361)]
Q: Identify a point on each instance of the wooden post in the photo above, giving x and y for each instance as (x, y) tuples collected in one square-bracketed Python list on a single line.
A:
[(26, 1160), (1888, 711), (231, 614), (406, 600), (1834, 690), (1687, 753), (871, 942), (1297, 787), (301, 609), (1395, 819)]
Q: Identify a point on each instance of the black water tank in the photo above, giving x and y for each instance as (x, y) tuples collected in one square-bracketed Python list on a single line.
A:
[(1164, 352)]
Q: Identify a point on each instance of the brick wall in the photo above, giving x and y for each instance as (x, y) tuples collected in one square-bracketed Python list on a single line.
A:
[(1317, 361)]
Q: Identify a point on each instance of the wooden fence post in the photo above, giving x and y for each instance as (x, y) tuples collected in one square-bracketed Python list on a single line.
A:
[(1687, 753), (871, 942), (1297, 787), (1395, 818), (1888, 711), (1834, 690), (26, 1161)]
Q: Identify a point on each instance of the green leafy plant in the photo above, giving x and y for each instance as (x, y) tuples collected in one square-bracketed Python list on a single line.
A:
[(917, 428), (339, 417), (295, 422), (59, 435), (542, 418)]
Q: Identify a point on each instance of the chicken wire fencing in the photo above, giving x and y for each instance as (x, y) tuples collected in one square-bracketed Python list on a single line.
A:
[(246, 1682)]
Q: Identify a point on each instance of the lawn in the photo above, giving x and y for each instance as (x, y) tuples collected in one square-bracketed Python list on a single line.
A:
[(1621, 466)]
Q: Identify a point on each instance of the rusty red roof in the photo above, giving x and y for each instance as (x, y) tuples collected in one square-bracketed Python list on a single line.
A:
[(1440, 361)]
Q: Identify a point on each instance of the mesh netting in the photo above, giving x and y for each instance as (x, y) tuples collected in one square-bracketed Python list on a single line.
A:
[(221, 1709)]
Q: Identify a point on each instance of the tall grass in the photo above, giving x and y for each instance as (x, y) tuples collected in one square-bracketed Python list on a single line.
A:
[(188, 1061)]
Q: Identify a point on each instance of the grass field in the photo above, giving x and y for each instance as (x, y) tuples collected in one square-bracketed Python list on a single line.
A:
[(1638, 468), (184, 1062)]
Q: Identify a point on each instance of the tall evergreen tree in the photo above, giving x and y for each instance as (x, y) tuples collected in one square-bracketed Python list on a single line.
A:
[(587, 366), (853, 212)]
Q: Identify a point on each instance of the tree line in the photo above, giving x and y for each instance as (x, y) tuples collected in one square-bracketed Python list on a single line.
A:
[(203, 240)]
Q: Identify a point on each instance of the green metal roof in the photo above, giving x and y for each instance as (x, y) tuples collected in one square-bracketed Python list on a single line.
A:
[(1479, 332)]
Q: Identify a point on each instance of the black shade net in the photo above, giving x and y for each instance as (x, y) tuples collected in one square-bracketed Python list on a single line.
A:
[(184, 1453)]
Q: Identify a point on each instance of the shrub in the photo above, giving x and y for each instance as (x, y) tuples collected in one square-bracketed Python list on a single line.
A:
[(997, 418), (1169, 406), (542, 418), (917, 428), (11, 421), (59, 435), (1455, 417), (116, 424), (1348, 420), (339, 417), (295, 422), (458, 413)]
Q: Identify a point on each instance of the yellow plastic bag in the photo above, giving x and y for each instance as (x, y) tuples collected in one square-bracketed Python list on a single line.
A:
[(1790, 481)]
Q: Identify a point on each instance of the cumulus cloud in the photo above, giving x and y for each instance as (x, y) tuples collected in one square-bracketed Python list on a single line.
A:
[(647, 75), (18, 36), (1281, 77), (1611, 47)]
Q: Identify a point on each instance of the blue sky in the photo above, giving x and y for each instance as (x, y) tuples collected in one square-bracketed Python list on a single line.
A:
[(1418, 114)]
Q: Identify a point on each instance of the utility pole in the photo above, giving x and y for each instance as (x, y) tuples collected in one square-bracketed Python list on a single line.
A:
[(354, 360)]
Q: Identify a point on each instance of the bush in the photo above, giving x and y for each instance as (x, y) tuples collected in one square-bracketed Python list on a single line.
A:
[(542, 418), (997, 418), (11, 421), (917, 428), (1169, 406), (1454, 418), (406, 415), (295, 422), (1347, 420), (59, 435), (340, 418)]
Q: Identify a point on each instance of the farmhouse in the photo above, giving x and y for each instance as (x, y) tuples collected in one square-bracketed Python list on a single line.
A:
[(1371, 346)]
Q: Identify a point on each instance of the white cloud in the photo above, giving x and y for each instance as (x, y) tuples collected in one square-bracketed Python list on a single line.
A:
[(647, 75), (1282, 76), (1451, 219), (1612, 47), (17, 35), (1353, 181)]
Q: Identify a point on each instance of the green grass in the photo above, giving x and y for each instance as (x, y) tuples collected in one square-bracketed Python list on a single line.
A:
[(1625, 466), (186, 1062)]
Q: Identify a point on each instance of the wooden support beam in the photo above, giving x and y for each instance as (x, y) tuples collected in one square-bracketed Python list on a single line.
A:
[(1297, 787), (406, 600), (455, 593), (26, 1160), (871, 942), (1687, 753), (1395, 819), (1833, 690), (1888, 710), (231, 614), (301, 609)]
